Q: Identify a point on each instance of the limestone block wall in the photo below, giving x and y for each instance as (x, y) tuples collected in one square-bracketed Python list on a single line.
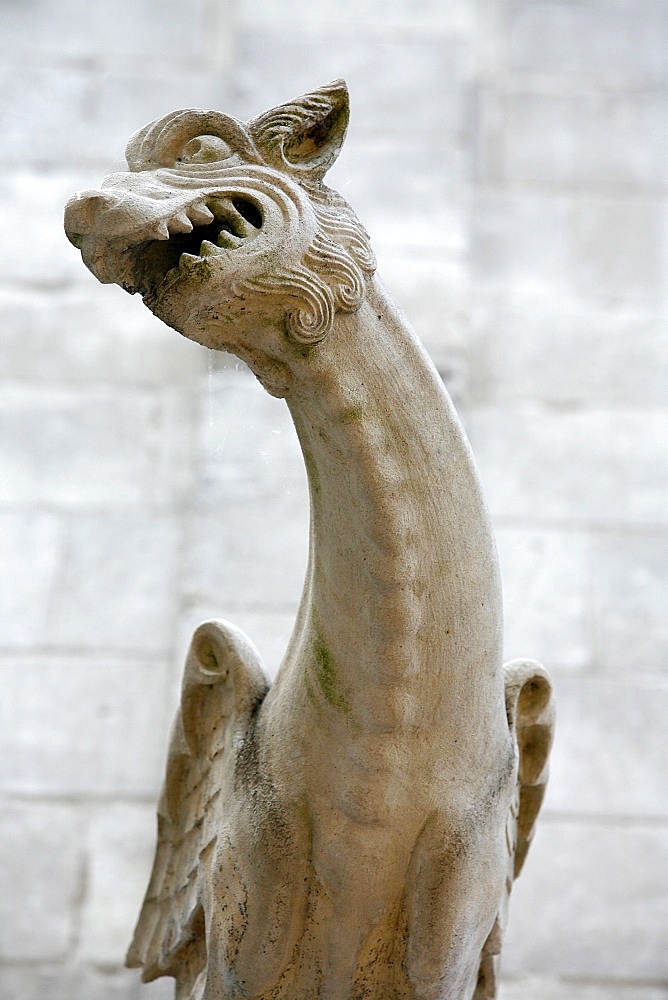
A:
[(509, 158)]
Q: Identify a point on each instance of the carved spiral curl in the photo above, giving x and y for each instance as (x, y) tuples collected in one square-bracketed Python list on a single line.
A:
[(311, 320), (328, 279), (338, 221), (343, 275)]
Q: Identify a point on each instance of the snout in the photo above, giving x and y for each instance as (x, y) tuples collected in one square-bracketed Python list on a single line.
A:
[(84, 211)]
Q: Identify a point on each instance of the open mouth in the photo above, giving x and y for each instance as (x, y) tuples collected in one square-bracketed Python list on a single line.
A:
[(203, 229)]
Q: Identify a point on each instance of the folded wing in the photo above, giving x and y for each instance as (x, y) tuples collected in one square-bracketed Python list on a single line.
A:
[(223, 685), (530, 712)]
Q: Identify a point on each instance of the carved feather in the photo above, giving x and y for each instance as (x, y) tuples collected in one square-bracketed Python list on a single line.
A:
[(530, 712), (223, 683)]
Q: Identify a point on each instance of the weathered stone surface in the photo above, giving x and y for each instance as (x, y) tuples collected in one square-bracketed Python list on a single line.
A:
[(271, 630), (316, 836), (521, 65)]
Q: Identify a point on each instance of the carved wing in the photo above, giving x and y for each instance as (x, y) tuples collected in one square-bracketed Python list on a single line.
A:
[(530, 711), (223, 684)]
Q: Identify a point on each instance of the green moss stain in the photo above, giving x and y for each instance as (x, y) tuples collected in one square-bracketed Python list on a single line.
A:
[(327, 677), (200, 272), (353, 415)]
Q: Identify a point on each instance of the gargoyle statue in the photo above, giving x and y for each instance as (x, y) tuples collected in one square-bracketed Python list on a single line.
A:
[(352, 831)]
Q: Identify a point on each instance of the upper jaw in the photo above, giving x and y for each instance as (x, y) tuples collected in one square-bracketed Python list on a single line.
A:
[(123, 239)]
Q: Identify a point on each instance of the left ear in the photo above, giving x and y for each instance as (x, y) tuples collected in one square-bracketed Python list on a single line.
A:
[(304, 137)]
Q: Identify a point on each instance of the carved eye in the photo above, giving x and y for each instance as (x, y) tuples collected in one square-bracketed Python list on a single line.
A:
[(204, 149)]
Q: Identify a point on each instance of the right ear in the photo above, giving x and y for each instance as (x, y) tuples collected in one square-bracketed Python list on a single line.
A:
[(304, 137)]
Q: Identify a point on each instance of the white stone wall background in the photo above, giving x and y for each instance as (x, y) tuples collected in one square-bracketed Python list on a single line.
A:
[(509, 159)]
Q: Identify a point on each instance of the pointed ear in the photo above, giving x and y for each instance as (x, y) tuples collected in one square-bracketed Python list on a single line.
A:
[(304, 137)]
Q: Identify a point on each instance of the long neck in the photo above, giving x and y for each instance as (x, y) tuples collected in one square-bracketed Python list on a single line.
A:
[(402, 583)]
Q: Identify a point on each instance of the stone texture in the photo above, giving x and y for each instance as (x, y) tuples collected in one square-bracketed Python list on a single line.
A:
[(569, 95), (392, 487), (42, 871), (270, 630), (591, 904), (81, 727)]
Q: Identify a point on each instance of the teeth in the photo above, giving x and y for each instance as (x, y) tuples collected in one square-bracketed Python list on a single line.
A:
[(160, 231), (225, 210), (200, 214), (228, 240), (188, 258), (208, 248), (180, 224)]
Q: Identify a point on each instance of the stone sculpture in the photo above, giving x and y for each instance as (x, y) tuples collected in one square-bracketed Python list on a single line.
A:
[(352, 831)]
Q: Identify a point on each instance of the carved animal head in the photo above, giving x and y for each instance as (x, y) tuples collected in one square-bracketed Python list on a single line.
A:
[(227, 231)]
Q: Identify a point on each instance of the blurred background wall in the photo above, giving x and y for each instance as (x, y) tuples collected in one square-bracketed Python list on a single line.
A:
[(509, 159)]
